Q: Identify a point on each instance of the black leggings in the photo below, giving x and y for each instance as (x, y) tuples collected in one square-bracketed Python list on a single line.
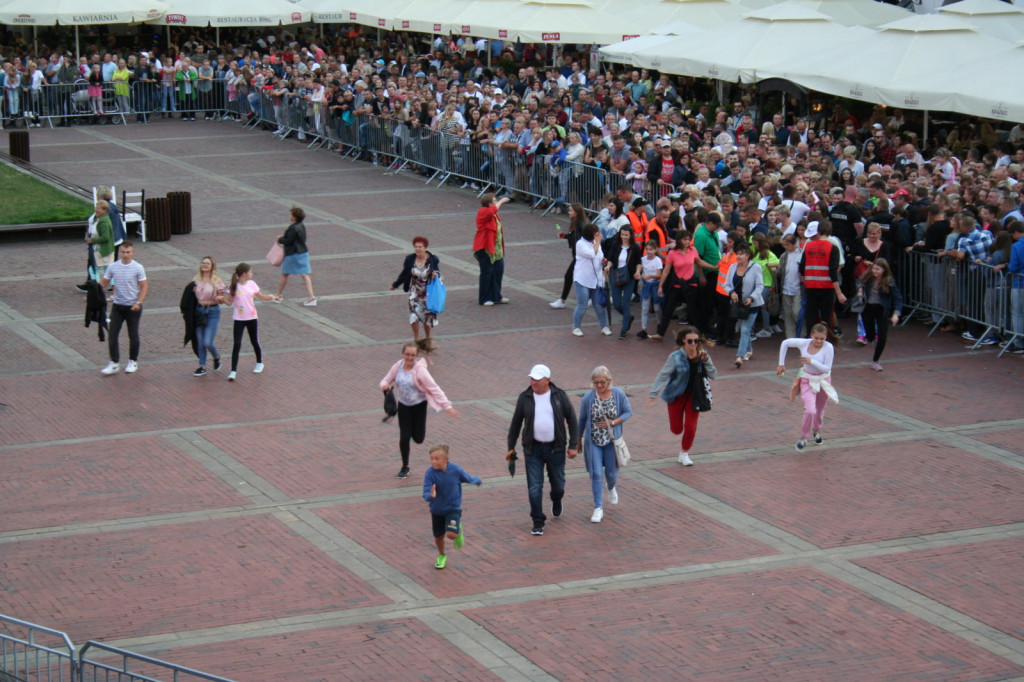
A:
[(254, 337), (412, 424), (567, 280), (676, 293), (874, 315)]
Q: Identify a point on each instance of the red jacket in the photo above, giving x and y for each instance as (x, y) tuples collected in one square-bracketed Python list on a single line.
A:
[(487, 229)]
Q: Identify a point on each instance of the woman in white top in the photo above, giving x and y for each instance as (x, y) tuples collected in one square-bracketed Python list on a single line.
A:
[(814, 381), (587, 277)]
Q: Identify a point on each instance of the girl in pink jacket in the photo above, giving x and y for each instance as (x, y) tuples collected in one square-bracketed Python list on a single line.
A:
[(414, 390)]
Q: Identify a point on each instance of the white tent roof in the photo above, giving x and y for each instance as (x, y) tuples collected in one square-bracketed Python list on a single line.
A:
[(222, 13), (735, 51), (993, 17), (852, 12), (79, 12), (542, 21), (990, 85), (425, 16)]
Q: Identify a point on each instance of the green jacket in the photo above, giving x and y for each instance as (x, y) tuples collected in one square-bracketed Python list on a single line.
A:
[(193, 76), (103, 242)]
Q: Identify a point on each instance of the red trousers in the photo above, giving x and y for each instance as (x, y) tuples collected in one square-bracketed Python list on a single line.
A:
[(682, 418)]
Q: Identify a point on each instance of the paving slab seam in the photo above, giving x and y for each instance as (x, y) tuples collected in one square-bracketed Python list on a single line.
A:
[(237, 476)]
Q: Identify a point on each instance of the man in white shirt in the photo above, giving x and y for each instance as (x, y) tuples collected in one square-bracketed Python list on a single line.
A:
[(132, 289)]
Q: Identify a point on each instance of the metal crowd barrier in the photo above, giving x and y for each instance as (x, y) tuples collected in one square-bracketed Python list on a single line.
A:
[(952, 291), (134, 667)]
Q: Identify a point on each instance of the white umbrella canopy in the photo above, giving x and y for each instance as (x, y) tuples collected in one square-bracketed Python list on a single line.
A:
[(425, 16), (555, 21), (993, 17), (734, 51), (79, 12), (886, 66), (376, 13), (849, 12), (702, 13), (624, 52), (990, 86), (225, 13)]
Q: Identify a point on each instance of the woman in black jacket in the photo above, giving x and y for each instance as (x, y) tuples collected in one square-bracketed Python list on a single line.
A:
[(419, 268), (296, 255), (621, 272), (577, 219)]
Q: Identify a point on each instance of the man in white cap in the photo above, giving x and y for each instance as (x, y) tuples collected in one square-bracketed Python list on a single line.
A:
[(547, 420), (819, 266)]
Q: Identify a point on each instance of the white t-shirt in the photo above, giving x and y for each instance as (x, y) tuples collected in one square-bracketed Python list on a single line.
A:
[(126, 278), (650, 266), (543, 418), (797, 209)]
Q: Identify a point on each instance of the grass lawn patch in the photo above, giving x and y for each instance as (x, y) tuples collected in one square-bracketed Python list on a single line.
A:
[(28, 200)]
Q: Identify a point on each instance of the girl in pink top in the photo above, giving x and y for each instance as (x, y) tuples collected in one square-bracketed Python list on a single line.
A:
[(243, 308)]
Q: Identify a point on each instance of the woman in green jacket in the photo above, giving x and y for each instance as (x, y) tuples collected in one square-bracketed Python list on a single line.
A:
[(100, 238)]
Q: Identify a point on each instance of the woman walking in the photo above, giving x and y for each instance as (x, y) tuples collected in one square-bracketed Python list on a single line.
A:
[(884, 304), (680, 281), (577, 219), (296, 256), (602, 412), (587, 277), (865, 252), (622, 261), (814, 382), (744, 285), (208, 290), (414, 390), (419, 268), (678, 381), (241, 294)]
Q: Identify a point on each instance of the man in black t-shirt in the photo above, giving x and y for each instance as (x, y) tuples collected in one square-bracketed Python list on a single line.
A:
[(847, 227)]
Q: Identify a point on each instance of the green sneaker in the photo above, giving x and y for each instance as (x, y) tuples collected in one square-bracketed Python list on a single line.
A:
[(460, 539), (442, 559)]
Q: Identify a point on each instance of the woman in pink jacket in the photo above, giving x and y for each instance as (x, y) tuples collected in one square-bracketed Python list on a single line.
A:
[(414, 389)]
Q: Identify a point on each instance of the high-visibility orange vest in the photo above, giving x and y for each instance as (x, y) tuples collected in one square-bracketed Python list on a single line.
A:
[(639, 221), (817, 255), (653, 226), (723, 271)]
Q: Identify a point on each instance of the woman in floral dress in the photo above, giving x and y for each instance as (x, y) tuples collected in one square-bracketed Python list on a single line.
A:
[(419, 268)]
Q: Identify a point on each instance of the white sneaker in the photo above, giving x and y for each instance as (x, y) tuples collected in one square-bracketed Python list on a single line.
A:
[(597, 516), (111, 368), (488, 303), (557, 303), (232, 375), (684, 459), (505, 300), (131, 367), (311, 303), (577, 332), (763, 334), (257, 369), (606, 331), (613, 496)]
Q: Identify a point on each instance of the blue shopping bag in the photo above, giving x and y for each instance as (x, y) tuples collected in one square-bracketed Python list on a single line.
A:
[(436, 295)]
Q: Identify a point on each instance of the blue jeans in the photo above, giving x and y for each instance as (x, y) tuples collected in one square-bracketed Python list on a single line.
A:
[(746, 326), (621, 299), (491, 275), (603, 466), (583, 295), (206, 333), (541, 455), (168, 95)]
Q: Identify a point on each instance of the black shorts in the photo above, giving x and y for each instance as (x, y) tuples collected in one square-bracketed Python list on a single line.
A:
[(449, 522)]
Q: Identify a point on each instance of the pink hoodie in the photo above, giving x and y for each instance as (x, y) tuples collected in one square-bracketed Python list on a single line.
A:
[(435, 396)]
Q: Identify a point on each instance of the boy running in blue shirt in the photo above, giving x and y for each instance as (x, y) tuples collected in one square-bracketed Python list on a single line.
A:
[(442, 488)]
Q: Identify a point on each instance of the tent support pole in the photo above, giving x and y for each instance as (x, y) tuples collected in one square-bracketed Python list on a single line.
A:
[(78, 52), (924, 142)]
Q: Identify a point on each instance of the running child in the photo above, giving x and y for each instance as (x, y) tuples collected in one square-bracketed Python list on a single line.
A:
[(442, 488), (243, 311)]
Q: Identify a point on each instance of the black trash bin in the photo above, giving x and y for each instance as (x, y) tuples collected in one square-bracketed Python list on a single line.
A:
[(18, 144), (158, 219), (181, 212)]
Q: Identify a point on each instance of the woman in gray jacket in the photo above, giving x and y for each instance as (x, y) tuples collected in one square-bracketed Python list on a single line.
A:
[(744, 284)]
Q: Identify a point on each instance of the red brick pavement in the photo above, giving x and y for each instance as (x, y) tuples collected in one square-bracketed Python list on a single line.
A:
[(792, 624), (174, 577), (501, 554), (1010, 439), (852, 495), (398, 649), (102, 480), (981, 579)]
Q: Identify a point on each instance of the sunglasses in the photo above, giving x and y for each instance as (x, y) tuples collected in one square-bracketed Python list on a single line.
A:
[(690, 342)]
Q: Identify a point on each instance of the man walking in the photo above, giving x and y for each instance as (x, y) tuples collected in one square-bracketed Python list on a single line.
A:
[(547, 420), (131, 291), (820, 270)]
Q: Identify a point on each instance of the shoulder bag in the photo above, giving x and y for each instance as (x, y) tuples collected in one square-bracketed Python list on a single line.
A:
[(600, 292), (276, 255), (701, 398), (437, 294)]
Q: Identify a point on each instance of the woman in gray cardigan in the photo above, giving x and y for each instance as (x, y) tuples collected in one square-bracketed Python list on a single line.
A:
[(744, 284), (602, 413)]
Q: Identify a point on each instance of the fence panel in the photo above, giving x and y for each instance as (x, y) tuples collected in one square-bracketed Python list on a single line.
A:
[(133, 667), (33, 653)]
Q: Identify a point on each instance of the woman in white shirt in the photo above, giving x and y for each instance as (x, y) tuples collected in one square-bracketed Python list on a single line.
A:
[(587, 277), (814, 382)]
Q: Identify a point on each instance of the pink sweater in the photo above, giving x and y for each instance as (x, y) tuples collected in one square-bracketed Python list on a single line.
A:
[(421, 375)]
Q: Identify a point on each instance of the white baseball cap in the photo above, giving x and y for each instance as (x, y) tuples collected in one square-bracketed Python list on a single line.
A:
[(540, 372)]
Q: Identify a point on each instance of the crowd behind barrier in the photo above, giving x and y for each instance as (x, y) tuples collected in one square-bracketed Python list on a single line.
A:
[(557, 136)]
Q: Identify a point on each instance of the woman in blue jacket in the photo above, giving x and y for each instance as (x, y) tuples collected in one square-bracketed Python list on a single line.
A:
[(745, 284), (884, 304), (676, 383), (602, 412)]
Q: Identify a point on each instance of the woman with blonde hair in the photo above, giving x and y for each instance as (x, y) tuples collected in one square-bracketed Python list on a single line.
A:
[(602, 412), (208, 289)]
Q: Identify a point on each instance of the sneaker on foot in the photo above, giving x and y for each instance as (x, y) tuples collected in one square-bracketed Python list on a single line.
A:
[(311, 303), (216, 364), (505, 300), (488, 303), (613, 496), (460, 539), (875, 366), (131, 367), (989, 341), (556, 509), (642, 334), (818, 440), (1016, 350), (684, 459), (403, 473), (557, 303), (606, 331), (231, 375), (862, 341), (763, 334), (538, 529), (258, 368), (577, 332), (801, 444), (199, 372), (111, 368), (622, 336), (969, 336), (442, 559), (597, 515)]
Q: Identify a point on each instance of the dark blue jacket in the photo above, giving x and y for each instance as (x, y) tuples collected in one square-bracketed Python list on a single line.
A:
[(449, 487), (405, 277)]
